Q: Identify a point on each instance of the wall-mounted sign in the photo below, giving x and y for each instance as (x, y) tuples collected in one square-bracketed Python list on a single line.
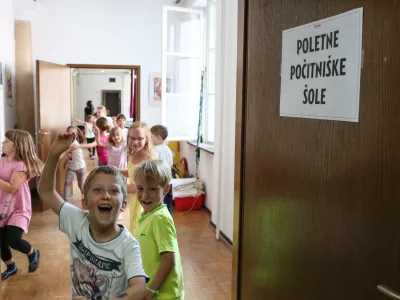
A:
[(321, 66)]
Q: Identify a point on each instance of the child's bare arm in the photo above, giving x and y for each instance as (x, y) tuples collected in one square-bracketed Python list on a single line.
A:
[(17, 179), (91, 145), (124, 172), (136, 290), (131, 188), (98, 141), (166, 265), (78, 121), (47, 184)]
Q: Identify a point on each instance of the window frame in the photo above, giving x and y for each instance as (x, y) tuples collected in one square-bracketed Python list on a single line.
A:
[(164, 72), (211, 21)]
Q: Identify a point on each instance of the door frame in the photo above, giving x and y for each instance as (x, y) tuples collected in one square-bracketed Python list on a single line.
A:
[(241, 79), (131, 67), (104, 97)]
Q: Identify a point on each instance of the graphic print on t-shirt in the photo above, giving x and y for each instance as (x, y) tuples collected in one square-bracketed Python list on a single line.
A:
[(6, 205), (92, 275)]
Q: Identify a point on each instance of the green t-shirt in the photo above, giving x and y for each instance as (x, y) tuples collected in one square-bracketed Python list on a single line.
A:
[(157, 234)]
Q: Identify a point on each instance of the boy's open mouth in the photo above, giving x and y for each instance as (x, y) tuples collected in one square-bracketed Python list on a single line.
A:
[(147, 202), (105, 208)]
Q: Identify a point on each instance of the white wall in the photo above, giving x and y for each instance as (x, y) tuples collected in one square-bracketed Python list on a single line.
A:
[(102, 32), (217, 170), (7, 57), (90, 87), (226, 117)]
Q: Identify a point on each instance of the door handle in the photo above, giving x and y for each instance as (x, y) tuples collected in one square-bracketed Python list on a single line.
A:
[(42, 133), (388, 292)]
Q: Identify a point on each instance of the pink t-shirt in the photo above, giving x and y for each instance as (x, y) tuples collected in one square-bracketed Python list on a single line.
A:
[(102, 152), (117, 157), (15, 208)]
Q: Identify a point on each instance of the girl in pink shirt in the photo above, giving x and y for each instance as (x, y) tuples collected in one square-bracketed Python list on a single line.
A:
[(116, 146), (103, 127), (16, 169)]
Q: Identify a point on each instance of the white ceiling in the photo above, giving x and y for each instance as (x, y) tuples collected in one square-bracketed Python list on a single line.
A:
[(26, 9)]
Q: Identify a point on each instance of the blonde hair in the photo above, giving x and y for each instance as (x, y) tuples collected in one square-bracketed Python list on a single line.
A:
[(24, 150), (113, 131), (102, 108), (155, 170), (140, 124), (104, 170)]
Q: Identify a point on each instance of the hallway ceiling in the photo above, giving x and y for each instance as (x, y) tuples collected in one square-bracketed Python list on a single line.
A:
[(102, 71)]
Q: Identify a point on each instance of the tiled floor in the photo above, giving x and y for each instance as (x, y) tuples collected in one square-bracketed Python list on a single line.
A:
[(207, 263)]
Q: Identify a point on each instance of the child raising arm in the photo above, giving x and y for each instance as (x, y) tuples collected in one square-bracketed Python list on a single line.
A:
[(105, 257)]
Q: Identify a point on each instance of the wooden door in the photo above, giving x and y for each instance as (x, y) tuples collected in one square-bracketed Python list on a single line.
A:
[(54, 109), (320, 208), (112, 101)]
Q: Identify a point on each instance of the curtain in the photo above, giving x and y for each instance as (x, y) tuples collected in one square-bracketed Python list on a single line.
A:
[(133, 81)]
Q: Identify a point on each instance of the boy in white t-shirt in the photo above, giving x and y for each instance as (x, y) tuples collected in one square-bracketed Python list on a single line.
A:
[(159, 134), (101, 111), (105, 257)]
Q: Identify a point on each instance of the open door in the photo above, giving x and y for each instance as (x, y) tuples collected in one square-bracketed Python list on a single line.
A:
[(53, 83)]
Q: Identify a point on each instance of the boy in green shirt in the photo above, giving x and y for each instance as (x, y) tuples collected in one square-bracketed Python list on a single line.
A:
[(157, 234)]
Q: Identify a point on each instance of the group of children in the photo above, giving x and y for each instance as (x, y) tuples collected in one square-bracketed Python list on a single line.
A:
[(108, 261)]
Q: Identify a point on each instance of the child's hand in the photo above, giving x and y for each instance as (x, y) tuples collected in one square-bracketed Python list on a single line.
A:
[(62, 143), (96, 130), (149, 295)]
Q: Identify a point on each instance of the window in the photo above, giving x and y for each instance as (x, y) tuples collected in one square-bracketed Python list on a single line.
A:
[(182, 64), (209, 103)]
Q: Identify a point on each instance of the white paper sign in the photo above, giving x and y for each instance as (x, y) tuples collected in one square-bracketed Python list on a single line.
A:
[(321, 66)]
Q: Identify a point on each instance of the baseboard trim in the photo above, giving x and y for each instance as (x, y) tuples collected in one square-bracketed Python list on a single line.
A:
[(227, 240), (206, 208)]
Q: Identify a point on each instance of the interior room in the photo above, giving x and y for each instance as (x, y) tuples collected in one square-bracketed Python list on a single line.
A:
[(111, 88), (279, 125), (167, 79)]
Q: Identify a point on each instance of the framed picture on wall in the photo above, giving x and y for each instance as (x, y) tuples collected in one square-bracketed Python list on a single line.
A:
[(9, 85), (155, 88)]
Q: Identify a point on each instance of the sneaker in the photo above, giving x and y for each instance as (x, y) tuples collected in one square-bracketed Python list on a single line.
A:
[(35, 263), (8, 273)]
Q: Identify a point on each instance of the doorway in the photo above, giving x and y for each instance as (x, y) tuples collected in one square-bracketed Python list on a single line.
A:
[(130, 108), (112, 101), (54, 81)]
